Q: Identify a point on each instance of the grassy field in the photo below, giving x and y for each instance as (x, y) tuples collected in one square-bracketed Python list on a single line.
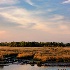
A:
[(39, 53)]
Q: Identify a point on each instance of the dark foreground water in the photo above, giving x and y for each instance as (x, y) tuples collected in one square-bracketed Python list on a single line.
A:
[(29, 67)]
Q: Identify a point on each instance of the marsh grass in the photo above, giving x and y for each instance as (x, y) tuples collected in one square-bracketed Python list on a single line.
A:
[(38, 53)]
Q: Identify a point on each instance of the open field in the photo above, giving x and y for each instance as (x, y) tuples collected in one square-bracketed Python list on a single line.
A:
[(38, 53)]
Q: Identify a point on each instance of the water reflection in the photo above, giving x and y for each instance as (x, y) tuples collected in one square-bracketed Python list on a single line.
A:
[(29, 67)]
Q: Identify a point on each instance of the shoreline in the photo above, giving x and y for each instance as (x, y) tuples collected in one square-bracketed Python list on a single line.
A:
[(42, 64)]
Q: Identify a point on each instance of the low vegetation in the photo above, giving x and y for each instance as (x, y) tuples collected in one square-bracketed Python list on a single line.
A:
[(44, 54)]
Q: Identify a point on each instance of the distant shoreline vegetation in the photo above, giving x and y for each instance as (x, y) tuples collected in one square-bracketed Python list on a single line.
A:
[(35, 44)]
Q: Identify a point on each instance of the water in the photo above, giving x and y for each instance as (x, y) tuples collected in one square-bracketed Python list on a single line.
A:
[(29, 67)]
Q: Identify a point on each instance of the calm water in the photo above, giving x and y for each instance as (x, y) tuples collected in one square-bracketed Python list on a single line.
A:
[(29, 67)]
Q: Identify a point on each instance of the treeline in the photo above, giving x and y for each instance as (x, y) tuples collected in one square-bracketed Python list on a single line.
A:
[(35, 44)]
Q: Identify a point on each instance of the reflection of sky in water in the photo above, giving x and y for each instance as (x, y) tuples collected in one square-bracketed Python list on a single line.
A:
[(29, 67)]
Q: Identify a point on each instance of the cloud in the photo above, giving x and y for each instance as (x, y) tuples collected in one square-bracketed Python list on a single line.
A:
[(57, 17), (63, 27), (2, 32), (67, 1), (30, 2), (29, 20), (8, 2), (20, 16), (43, 21), (17, 16)]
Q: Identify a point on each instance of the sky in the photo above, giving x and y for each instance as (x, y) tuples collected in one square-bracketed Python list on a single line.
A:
[(35, 20)]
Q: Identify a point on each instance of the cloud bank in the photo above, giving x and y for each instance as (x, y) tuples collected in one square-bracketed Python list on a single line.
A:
[(67, 1)]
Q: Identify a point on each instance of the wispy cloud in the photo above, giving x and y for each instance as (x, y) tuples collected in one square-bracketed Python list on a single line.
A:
[(30, 2), (19, 16), (66, 1), (57, 17), (9, 2), (28, 19)]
